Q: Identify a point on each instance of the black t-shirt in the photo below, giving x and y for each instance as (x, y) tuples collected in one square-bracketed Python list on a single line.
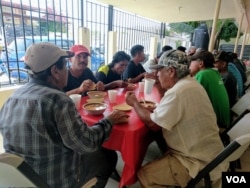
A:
[(231, 86), (74, 82), (106, 75), (132, 70)]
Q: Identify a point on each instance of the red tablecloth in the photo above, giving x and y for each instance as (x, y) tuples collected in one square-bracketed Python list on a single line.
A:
[(131, 139)]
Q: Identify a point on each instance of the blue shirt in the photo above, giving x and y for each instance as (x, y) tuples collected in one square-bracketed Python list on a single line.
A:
[(236, 73)]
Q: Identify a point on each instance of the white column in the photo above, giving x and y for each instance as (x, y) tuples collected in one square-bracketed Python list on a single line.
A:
[(238, 34), (153, 47), (216, 13), (243, 43), (112, 46), (84, 39)]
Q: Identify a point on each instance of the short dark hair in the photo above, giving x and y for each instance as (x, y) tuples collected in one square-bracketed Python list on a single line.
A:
[(166, 48), (206, 56), (119, 56), (43, 75), (136, 49), (181, 48)]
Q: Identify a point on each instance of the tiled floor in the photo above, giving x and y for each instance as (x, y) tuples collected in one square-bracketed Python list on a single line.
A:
[(152, 153)]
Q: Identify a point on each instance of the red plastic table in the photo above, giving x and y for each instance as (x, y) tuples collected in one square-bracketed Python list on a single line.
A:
[(131, 139)]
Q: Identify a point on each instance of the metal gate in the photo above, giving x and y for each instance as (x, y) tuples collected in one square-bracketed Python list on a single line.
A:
[(24, 22)]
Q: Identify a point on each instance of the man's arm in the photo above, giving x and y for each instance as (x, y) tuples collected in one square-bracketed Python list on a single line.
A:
[(143, 113)]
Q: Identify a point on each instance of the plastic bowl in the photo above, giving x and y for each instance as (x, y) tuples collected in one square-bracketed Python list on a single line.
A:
[(96, 94), (95, 108)]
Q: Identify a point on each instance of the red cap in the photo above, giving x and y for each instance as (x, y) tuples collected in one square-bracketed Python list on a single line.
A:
[(78, 48)]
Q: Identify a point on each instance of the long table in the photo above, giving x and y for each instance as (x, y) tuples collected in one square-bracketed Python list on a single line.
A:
[(130, 139)]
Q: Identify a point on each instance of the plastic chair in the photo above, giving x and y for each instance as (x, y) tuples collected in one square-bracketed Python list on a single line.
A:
[(230, 153), (242, 104), (239, 128), (15, 172)]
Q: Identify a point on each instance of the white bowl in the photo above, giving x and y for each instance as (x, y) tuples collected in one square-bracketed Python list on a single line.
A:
[(96, 94), (95, 108)]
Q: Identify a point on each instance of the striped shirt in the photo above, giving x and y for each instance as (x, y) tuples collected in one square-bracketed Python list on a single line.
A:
[(41, 124)]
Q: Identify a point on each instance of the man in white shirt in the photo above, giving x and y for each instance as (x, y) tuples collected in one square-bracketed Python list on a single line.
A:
[(184, 114)]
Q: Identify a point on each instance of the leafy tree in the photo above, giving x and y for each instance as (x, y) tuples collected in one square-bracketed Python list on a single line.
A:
[(225, 29), (52, 26)]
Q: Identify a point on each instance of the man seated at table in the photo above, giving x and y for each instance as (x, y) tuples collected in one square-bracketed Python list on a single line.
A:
[(110, 74), (185, 115), (80, 77), (40, 123), (135, 71)]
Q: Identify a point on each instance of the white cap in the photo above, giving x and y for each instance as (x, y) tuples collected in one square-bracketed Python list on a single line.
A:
[(42, 55)]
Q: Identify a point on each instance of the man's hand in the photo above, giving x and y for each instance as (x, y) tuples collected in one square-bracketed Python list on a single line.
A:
[(86, 85), (100, 86), (117, 117), (121, 83), (131, 98)]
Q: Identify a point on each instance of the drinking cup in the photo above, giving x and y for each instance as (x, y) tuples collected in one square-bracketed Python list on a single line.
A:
[(141, 86), (112, 95), (76, 98), (148, 86)]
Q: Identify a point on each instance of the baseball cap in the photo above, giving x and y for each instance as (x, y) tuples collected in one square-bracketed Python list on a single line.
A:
[(222, 55), (42, 55), (78, 48), (172, 58)]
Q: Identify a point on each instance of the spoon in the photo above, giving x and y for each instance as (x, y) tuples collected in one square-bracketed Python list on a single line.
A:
[(143, 101)]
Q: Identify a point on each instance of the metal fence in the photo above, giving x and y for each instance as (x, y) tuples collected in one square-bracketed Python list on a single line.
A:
[(24, 22)]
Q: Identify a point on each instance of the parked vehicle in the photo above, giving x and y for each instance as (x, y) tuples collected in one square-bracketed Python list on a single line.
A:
[(12, 58)]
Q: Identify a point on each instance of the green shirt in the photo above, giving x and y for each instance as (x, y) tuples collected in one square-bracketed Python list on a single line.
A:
[(212, 82)]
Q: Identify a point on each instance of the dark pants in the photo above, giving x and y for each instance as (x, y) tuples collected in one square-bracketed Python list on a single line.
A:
[(99, 164)]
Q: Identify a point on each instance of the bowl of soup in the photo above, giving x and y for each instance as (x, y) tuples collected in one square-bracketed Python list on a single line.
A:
[(95, 108), (150, 105), (96, 94)]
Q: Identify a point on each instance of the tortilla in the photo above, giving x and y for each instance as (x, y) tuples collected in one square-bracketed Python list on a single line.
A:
[(122, 107), (92, 87)]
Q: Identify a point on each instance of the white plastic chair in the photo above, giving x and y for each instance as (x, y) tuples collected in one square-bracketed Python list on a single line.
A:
[(230, 153), (240, 128), (242, 104), (15, 172)]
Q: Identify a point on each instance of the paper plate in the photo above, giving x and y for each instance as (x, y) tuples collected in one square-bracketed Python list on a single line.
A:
[(122, 107)]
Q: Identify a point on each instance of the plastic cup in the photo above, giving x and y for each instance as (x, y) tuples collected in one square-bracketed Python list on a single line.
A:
[(112, 95), (141, 86), (148, 86), (76, 98)]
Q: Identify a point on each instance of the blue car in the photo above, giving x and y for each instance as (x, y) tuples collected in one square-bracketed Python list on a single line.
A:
[(12, 58)]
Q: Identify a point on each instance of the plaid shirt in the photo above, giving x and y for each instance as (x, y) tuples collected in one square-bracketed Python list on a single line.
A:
[(41, 124)]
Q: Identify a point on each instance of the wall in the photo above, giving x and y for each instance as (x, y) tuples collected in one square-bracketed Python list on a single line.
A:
[(5, 93)]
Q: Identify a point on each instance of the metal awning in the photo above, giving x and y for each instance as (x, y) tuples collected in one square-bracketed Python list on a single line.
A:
[(170, 11)]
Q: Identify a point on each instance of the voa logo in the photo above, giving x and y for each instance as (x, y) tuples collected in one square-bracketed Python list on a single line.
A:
[(236, 179)]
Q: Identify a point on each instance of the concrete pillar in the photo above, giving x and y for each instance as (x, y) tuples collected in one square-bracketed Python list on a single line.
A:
[(112, 46), (153, 47), (84, 39), (216, 13), (243, 43), (238, 34)]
